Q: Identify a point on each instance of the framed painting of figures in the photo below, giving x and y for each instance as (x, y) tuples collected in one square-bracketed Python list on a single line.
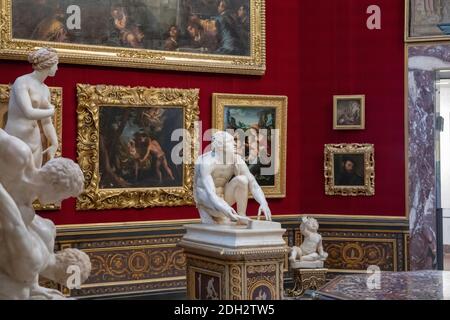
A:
[(349, 112), (223, 36), (427, 20), (259, 125), (56, 100), (127, 150)]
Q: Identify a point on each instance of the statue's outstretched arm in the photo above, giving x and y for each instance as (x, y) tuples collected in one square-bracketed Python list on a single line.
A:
[(24, 103), (255, 189), (16, 240)]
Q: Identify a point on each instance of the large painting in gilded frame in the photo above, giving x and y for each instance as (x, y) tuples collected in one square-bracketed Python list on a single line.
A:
[(223, 36), (253, 113), (125, 146), (427, 20), (56, 100)]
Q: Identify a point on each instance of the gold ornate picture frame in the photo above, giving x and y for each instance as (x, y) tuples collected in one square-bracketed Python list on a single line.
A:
[(191, 35), (349, 112), (125, 147), (350, 169), (426, 20), (257, 112), (56, 100)]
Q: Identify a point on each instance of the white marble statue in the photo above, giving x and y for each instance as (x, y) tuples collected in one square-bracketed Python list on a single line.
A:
[(30, 102), (223, 179), (27, 241), (310, 254)]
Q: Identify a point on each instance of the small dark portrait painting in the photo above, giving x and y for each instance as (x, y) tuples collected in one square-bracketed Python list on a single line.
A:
[(349, 170)]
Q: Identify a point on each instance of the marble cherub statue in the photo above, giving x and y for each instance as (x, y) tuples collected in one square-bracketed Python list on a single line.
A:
[(223, 179), (27, 241), (311, 253), (30, 102)]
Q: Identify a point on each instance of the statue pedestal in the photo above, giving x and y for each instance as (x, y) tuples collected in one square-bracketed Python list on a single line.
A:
[(307, 279), (235, 262)]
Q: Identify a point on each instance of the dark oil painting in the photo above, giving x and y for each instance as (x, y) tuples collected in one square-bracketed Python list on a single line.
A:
[(251, 120), (194, 26), (349, 170), (136, 147)]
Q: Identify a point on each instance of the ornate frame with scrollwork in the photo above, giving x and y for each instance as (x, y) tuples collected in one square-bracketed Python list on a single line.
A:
[(280, 103), (90, 100), (369, 169), (255, 64), (56, 100)]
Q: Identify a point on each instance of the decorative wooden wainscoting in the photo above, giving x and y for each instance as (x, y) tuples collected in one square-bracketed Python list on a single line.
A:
[(143, 258)]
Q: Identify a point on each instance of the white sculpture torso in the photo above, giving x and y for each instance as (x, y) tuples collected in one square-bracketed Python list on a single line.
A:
[(29, 103), (223, 179)]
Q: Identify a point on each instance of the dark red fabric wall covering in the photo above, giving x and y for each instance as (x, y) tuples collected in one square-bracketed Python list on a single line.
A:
[(315, 49)]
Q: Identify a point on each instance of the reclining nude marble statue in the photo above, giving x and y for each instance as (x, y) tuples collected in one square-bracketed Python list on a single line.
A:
[(27, 241), (223, 179), (311, 253)]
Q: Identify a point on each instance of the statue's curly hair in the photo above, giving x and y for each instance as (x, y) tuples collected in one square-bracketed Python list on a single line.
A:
[(64, 175), (43, 58)]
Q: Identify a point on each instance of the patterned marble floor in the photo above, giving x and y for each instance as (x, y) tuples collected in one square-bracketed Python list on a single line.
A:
[(422, 285)]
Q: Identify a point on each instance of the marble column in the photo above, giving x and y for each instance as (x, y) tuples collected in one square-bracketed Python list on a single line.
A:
[(423, 61)]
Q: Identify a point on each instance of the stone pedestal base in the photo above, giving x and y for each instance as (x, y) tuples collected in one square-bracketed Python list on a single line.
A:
[(234, 263), (307, 279)]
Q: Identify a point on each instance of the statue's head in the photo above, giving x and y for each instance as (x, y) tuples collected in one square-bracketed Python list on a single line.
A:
[(44, 59), (61, 178), (223, 142), (310, 224)]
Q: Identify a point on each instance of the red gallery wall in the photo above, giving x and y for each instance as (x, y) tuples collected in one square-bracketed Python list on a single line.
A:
[(315, 49)]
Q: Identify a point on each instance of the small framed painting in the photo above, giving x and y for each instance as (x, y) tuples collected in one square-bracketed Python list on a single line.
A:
[(349, 169), (349, 112)]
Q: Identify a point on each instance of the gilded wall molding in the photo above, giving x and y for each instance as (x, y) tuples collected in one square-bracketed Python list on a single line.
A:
[(143, 258)]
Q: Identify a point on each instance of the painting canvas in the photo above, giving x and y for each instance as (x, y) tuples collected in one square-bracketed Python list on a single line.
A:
[(255, 118), (56, 97), (259, 125), (135, 147), (126, 148), (349, 169), (216, 32), (427, 20), (349, 112)]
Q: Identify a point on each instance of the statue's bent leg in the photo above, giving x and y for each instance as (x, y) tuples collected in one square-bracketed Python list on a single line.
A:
[(211, 217), (236, 191), (311, 257)]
